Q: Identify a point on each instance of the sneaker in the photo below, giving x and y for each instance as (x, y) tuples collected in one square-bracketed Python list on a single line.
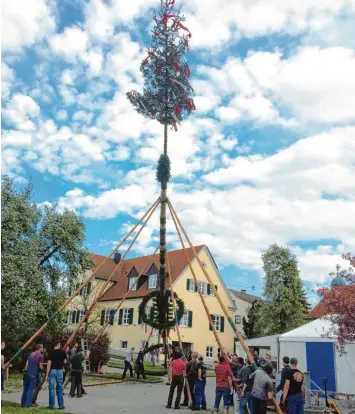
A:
[(168, 406), (61, 408), (184, 405), (177, 407)]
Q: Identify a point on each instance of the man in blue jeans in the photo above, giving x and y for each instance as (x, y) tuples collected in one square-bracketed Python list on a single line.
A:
[(200, 396), (246, 386), (224, 384), (33, 367), (56, 360), (293, 389)]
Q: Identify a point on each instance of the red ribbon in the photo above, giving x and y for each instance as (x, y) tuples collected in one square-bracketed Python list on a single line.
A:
[(177, 109), (150, 54), (174, 125), (152, 113), (184, 28), (176, 66), (189, 104), (166, 17), (188, 72), (145, 328), (171, 2), (168, 333)]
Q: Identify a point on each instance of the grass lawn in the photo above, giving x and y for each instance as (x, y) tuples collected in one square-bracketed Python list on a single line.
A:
[(14, 383), (158, 370), (13, 408)]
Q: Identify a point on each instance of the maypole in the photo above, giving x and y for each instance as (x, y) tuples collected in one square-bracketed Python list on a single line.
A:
[(165, 98)]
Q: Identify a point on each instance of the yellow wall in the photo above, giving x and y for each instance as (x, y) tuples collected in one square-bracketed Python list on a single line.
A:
[(199, 334)]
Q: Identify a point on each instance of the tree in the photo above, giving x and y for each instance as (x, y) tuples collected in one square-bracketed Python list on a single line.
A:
[(340, 304), (284, 307), (42, 253), (251, 324)]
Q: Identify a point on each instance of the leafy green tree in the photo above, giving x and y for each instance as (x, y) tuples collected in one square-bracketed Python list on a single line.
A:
[(42, 253), (251, 323), (284, 307)]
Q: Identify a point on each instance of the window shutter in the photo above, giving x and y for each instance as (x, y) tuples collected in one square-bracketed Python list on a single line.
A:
[(208, 289), (188, 284), (112, 316), (212, 317), (77, 316), (102, 317), (195, 286), (139, 319), (190, 319), (120, 317), (73, 316), (130, 317), (88, 289), (222, 323), (215, 287)]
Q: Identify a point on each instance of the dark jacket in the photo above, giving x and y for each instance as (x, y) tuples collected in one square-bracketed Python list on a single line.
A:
[(285, 370)]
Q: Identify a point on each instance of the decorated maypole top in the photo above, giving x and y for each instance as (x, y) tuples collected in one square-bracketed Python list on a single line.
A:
[(167, 92), (166, 98)]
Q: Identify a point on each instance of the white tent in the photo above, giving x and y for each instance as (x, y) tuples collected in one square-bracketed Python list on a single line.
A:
[(317, 355)]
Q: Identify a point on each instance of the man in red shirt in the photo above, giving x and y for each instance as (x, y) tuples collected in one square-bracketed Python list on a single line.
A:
[(178, 371), (224, 384)]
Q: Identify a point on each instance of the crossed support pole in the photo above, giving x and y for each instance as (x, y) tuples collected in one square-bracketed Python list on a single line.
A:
[(178, 224), (77, 291)]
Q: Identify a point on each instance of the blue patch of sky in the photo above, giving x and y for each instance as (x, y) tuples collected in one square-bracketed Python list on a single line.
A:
[(70, 12), (311, 244)]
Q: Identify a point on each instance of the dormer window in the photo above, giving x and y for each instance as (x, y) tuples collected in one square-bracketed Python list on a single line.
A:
[(153, 281), (132, 285)]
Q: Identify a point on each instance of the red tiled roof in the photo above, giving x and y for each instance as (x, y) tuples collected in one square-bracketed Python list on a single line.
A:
[(321, 309), (177, 262)]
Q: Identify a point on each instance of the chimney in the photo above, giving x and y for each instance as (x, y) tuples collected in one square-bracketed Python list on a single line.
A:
[(243, 291), (117, 257)]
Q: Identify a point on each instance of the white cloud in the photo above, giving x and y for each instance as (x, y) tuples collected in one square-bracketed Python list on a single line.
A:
[(20, 111), (62, 115), (16, 138), (24, 23), (68, 77), (83, 116), (7, 78), (71, 44)]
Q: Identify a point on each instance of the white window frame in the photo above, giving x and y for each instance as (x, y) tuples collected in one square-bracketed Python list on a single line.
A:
[(81, 315), (132, 281), (153, 282), (192, 285), (239, 319), (184, 321), (107, 316), (217, 322), (209, 351), (203, 287), (123, 342), (125, 316), (84, 290)]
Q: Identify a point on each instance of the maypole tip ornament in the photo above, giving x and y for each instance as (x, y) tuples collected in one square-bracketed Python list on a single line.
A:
[(167, 93)]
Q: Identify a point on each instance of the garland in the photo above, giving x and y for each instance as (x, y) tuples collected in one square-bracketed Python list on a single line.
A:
[(163, 169), (155, 320)]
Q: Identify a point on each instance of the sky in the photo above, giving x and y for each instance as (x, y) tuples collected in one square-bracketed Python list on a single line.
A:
[(267, 157)]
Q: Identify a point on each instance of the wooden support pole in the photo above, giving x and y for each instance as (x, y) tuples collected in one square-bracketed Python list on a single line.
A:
[(197, 285), (177, 327), (102, 290), (124, 298), (70, 298), (230, 320)]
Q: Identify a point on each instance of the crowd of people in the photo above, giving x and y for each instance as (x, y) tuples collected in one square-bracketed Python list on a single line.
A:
[(136, 362), (237, 380), (57, 368)]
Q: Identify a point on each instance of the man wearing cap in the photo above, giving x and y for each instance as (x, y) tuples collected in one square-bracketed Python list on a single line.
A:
[(293, 389), (285, 371)]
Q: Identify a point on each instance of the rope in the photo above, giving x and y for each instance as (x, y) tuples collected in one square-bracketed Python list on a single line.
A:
[(75, 293)]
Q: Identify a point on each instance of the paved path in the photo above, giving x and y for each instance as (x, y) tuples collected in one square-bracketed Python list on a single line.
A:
[(119, 398)]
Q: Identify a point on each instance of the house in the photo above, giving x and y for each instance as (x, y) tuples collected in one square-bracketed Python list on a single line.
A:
[(242, 301), (126, 329)]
